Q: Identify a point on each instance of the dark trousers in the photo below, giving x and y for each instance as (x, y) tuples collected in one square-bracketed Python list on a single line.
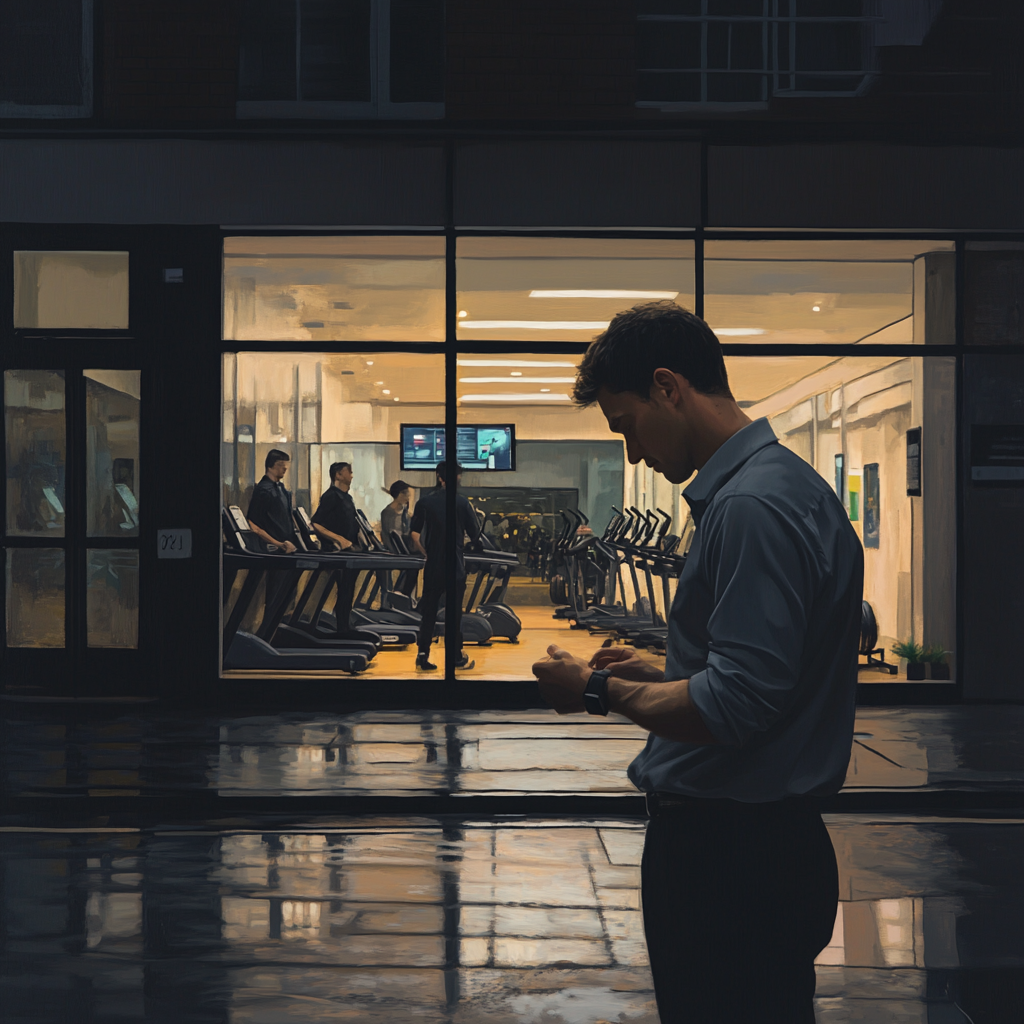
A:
[(343, 602), (738, 900), (427, 607)]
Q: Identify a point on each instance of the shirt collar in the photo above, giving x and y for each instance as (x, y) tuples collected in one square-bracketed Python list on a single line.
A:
[(725, 462)]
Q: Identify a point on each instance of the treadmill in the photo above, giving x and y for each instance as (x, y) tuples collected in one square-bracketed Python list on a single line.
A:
[(243, 551)]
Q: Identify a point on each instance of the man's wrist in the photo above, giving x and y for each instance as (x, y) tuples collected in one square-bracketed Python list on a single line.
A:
[(595, 692)]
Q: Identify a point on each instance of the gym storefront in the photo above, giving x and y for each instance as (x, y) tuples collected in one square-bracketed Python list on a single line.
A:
[(149, 372)]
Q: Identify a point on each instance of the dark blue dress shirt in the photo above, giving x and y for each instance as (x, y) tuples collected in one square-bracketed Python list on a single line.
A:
[(765, 624)]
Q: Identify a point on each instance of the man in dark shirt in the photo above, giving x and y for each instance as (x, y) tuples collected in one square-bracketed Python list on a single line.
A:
[(335, 523), (270, 508), (429, 538), (751, 722)]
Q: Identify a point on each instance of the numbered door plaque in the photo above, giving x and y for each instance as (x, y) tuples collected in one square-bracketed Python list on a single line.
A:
[(174, 543)]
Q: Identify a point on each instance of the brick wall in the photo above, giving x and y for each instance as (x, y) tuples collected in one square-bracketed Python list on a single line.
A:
[(168, 60), (540, 59)]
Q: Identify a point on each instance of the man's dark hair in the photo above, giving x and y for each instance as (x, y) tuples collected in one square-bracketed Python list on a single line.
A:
[(397, 487), (275, 455), (442, 470), (640, 340), (336, 468)]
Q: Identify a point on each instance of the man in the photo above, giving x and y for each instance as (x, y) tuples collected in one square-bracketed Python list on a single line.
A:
[(335, 523), (270, 508), (395, 517), (751, 723), (428, 537)]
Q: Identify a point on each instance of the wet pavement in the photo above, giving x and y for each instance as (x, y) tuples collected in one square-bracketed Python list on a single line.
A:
[(448, 920), (224, 912), (65, 749)]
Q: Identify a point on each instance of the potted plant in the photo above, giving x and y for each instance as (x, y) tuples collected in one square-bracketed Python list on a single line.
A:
[(913, 653), (935, 658)]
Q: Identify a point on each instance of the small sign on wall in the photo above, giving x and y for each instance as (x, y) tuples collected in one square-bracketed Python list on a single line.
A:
[(997, 454), (914, 463), (173, 543)]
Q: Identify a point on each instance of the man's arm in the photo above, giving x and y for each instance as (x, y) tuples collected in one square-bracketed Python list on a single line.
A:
[(663, 708), (417, 545), (322, 531)]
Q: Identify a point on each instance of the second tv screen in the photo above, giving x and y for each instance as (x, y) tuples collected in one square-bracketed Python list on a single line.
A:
[(477, 448)]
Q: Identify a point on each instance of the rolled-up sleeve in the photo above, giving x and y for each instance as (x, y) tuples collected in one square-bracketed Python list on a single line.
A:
[(761, 581)]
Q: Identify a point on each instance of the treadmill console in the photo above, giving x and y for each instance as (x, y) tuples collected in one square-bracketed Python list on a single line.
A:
[(238, 532)]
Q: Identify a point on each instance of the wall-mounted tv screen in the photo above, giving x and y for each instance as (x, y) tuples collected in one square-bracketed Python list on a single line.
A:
[(477, 448)]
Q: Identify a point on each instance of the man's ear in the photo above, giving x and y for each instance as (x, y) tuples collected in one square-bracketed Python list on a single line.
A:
[(668, 384)]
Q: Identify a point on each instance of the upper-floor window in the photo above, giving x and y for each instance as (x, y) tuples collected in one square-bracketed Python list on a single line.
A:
[(342, 58), (740, 53), (46, 58)]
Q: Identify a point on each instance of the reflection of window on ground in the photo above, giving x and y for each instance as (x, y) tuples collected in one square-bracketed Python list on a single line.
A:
[(334, 288), (830, 292), (849, 418), (563, 289), (321, 409)]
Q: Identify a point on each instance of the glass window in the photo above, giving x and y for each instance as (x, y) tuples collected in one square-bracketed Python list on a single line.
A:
[(71, 290), (36, 442), (535, 466), (112, 597), (831, 292), (334, 288), (321, 409), (563, 289), (35, 597), (112, 452), (850, 418)]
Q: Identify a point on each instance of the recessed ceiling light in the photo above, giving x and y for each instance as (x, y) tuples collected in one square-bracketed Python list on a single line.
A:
[(538, 397), (462, 312), (397, 399), (598, 293), (369, 362), (817, 309), (535, 325), (516, 373), (737, 332), (518, 380), (511, 362), (386, 392), (545, 391), (377, 383)]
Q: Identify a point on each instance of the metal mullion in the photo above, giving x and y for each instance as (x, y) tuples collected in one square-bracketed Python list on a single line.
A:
[(451, 640), (75, 626), (959, 464)]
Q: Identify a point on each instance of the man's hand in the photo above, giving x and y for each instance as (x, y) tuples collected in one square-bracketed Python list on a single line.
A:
[(562, 678), (627, 664), (288, 547)]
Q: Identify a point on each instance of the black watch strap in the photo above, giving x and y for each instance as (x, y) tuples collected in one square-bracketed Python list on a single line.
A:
[(595, 696)]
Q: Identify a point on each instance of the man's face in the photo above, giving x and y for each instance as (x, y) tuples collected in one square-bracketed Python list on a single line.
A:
[(278, 470), (344, 476), (655, 431), (405, 498)]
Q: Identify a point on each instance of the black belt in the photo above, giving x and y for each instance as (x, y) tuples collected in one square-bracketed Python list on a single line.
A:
[(667, 803)]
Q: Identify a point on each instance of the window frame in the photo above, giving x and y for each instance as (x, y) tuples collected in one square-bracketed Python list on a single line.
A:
[(380, 105), (69, 110), (771, 74)]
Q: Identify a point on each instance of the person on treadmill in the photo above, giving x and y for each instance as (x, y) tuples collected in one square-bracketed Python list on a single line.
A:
[(270, 508), (395, 517), (428, 537), (335, 523), (335, 517)]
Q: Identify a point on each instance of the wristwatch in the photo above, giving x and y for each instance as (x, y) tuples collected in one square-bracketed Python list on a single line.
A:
[(595, 696)]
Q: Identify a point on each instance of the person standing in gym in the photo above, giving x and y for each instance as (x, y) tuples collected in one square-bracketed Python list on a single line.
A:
[(270, 507), (428, 537), (751, 722), (395, 517)]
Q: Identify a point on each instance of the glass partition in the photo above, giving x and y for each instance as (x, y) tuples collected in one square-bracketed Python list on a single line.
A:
[(563, 289), (338, 288), (34, 419), (112, 403), (323, 410), (71, 289), (35, 597), (879, 292), (112, 597)]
